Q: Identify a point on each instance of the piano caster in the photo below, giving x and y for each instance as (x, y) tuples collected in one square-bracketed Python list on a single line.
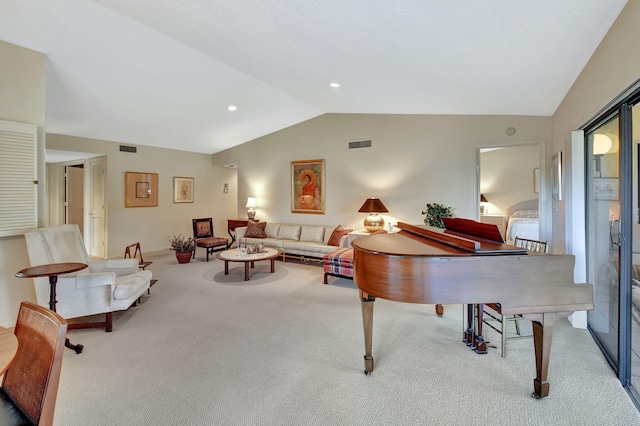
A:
[(540, 389), (480, 346), (368, 364), (467, 339), (439, 310)]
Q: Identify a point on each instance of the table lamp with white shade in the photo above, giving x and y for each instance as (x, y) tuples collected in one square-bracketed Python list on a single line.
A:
[(251, 205)]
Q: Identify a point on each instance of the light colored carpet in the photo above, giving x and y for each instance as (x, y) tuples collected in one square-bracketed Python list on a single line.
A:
[(284, 349)]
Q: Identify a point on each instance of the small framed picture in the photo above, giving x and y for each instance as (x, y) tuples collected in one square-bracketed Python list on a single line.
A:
[(482, 210), (140, 189), (183, 189)]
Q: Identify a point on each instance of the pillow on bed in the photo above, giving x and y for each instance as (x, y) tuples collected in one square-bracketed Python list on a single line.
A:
[(525, 213)]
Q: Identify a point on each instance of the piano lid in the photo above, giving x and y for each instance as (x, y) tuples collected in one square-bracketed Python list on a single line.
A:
[(477, 238), (485, 231)]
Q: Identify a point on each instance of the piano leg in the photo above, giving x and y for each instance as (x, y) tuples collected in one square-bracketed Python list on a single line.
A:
[(439, 310), (479, 345), (542, 336), (366, 303), (467, 336)]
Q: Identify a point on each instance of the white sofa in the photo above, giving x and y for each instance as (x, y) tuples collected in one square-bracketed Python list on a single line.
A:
[(105, 286), (294, 240)]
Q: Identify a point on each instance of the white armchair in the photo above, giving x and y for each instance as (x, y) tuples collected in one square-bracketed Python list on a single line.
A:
[(104, 287)]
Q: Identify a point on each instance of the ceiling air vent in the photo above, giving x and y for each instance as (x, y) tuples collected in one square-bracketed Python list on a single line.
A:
[(125, 148), (360, 144)]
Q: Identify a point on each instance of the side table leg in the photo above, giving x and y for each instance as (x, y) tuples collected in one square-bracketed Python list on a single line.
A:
[(78, 348), (53, 280), (246, 271)]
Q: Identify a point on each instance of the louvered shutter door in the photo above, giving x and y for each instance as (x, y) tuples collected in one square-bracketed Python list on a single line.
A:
[(18, 171)]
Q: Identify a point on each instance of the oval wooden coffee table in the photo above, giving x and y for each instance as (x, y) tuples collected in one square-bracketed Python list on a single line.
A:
[(234, 255)]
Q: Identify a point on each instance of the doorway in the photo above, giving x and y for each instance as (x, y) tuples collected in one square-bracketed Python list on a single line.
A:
[(510, 179), (74, 195), (77, 195)]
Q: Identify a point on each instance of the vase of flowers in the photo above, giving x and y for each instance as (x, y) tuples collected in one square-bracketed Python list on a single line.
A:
[(183, 246), (434, 214)]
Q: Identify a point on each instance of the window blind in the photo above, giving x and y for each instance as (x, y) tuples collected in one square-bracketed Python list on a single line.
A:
[(18, 178)]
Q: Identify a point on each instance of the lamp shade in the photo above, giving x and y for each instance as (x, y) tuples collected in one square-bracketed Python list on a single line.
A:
[(373, 205), (251, 203), (601, 144), (483, 199)]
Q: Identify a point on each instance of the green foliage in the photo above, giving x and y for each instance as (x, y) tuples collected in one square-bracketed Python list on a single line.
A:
[(434, 214), (182, 244)]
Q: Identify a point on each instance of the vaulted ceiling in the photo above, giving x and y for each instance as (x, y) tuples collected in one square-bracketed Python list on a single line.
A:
[(164, 72)]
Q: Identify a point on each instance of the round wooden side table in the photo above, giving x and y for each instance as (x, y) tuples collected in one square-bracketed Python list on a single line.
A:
[(52, 271)]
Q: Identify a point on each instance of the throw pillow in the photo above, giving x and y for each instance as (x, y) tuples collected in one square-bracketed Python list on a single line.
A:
[(337, 234), (256, 230)]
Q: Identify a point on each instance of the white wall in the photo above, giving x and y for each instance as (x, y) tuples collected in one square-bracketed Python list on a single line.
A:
[(151, 226), (22, 85), (415, 159), (613, 67)]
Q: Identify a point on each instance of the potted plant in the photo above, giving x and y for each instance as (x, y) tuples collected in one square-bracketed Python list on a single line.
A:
[(183, 246), (434, 214)]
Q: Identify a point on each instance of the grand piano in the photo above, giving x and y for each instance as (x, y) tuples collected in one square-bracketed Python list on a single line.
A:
[(468, 263)]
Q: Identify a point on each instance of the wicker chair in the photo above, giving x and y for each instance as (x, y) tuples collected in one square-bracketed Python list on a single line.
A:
[(30, 384), (493, 312)]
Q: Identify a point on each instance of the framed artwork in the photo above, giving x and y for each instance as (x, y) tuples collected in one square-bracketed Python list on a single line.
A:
[(140, 189), (605, 188), (536, 181), (307, 186), (556, 170), (183, 189)]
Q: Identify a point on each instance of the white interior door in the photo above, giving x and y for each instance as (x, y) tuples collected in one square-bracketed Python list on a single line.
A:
[(96, 240)]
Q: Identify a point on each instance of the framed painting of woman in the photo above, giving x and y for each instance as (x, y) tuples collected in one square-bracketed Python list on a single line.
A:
[(307, 186)]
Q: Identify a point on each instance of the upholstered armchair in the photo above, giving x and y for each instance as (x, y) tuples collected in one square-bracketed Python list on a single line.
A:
[(102, 288)]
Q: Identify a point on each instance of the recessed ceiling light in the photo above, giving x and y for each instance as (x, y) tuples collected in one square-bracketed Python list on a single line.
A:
[(334, 85), (232, 107)]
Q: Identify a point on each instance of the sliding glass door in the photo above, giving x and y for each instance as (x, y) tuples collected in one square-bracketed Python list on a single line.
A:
[(634, 305), (613, 237), (603, 220)]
